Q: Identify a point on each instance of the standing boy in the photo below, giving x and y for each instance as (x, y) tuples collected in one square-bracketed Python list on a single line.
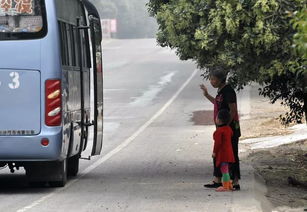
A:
[(222, 150)]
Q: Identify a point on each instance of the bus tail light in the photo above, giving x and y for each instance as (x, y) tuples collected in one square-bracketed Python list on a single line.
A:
[(45, 142), (53, 101)]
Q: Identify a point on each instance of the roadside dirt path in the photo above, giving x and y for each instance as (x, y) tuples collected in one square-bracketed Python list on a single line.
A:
[(284, 168)]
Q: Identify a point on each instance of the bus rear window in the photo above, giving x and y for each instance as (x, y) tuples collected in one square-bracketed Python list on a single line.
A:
[(22, 19)]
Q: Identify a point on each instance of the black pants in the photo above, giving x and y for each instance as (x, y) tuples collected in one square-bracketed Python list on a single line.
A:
[(234, 167)]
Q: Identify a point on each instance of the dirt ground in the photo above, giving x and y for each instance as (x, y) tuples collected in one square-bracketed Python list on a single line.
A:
[(284, 168), (263, 119)]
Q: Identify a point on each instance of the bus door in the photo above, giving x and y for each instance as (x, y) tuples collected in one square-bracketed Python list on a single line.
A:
[(96, 38)]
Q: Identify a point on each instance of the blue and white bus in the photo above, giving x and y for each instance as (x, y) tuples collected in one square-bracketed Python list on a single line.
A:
[(50, 78)]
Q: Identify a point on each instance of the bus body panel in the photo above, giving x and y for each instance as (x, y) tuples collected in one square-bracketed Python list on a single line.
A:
[(19, 54), (20, 105), (29, 148)]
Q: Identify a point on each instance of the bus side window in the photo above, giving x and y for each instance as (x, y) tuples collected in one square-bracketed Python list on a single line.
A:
[(69, 49), (65, 38), (69, 45), (84, 49), (87, 51), (86, 61), (77, 53), (64, 46), (73, 46), (61, 41)]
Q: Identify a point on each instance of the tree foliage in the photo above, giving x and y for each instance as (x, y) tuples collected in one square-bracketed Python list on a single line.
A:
[(252, 39), (300, 37)]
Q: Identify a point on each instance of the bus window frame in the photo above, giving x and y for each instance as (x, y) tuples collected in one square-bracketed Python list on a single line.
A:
[(29, 35)]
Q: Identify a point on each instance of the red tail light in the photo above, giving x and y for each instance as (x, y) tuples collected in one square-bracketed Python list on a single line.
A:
[(53, 101), (45, 142)]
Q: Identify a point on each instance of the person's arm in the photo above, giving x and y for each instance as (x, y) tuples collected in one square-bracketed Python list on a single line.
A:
[(206, 94)]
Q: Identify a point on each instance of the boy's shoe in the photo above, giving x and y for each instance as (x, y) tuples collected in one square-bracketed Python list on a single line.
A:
[(222, 189), (236, 187), (213, 185)]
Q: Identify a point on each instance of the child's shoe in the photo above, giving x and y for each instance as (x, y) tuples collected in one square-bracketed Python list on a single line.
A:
[(227, 186), (231, 186)]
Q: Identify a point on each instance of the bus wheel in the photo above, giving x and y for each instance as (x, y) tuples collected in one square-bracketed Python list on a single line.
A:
[(73, 165), (61, 172), (37, 184)]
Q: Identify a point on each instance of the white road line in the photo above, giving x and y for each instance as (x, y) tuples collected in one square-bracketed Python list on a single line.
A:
[(149, 95), (113, 89), (114, 151)]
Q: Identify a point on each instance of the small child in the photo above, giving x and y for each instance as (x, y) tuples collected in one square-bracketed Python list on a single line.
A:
[(222, 151)]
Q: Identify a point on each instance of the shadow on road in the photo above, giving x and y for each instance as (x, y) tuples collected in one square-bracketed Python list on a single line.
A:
[(17, 183)]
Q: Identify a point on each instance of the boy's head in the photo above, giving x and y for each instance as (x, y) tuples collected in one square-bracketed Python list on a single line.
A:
[(217, 76), (223, 117)]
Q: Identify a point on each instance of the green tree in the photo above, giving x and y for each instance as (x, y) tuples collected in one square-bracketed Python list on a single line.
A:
[(300, 38), (252, 39), (300, 43)]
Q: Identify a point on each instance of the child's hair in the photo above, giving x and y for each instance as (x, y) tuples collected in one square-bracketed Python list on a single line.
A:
[(219, 73), (224, 116)]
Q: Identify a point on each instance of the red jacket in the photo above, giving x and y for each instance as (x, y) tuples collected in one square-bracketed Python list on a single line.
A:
[(222, 145)]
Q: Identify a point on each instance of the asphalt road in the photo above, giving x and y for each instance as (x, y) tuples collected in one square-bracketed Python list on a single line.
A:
[(156, 156)]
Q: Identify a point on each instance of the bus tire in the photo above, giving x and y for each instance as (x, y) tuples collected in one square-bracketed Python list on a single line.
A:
[(73, 165), (37, 184), (61, 170)]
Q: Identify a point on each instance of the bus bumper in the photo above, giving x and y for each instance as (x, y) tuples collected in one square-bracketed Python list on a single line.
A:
[(30, 148)]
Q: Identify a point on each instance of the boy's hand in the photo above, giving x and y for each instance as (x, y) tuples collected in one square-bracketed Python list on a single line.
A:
[(213, 155), (204, 88)]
